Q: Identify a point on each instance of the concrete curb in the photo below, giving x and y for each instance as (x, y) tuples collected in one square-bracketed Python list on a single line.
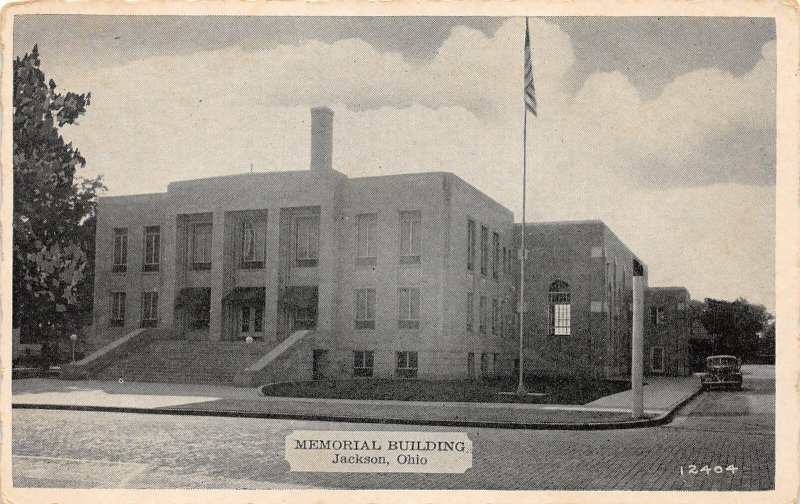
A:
[(626, 424)]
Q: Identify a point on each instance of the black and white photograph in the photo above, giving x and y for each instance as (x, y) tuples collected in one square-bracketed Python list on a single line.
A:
[(525, 251)]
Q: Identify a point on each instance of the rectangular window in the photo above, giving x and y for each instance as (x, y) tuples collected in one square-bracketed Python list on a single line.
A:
[(120, 250), (560, 311), (363, 363), (407, 366), (248, 242), (366, 231), (511, 322), (149, 309), (470, 244), (304, 318), (118, 309), (245, 319), (409, 308), (505, 260), (482, 315), (657, 315), (200, 311), (365, 309), (258, 319), (657, 360), (152, 248), (495, 256), (251, 259), (470, 311), (608, 287), (484, 250), (484, 365), (471, 366), (201, 246), (560, 319), (307, 241), (410, 229), (502, 316), (495, 316)]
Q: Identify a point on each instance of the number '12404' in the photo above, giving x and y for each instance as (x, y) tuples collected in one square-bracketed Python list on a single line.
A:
[(707, 470)]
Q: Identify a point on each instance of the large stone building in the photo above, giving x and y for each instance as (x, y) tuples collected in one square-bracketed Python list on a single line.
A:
[(578, 295), (667, 329), (377, 267), (307, 274)]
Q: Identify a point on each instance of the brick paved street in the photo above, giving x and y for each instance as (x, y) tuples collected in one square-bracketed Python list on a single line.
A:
[(90, 450)]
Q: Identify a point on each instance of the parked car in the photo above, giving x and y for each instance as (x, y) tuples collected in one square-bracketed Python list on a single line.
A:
[(722, 371)]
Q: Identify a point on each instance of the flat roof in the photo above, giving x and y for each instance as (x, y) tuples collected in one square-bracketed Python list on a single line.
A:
[(578, 222), (290, 173), (260, 174)]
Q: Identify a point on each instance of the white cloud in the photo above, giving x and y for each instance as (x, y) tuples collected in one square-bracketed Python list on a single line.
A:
[(210, 113)]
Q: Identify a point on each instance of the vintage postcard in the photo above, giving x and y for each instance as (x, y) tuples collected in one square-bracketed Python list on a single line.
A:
[(332, 251)]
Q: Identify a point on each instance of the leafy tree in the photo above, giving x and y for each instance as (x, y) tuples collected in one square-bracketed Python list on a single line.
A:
[(737, 324), (54, 210), (696, 308), (766, 344)]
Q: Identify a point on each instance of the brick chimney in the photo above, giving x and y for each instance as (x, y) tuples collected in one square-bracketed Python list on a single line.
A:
[(321, 139)]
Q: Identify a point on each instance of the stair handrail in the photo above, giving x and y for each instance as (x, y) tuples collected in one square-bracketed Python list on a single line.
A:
[(249, 376), (278, 350), (102, 357)]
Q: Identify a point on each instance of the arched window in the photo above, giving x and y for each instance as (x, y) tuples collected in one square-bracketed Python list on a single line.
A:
[(560, 316)]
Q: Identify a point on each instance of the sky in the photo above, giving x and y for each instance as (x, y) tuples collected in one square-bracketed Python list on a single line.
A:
[(664, 128)]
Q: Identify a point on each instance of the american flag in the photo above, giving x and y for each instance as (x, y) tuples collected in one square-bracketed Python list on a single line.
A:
[(530, 90)]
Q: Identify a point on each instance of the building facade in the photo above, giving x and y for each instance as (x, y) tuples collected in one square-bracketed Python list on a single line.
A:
[(667, 330), (578, 300), (398, 276)]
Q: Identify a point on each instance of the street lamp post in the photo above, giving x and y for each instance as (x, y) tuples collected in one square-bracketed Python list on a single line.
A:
[(637, 343), (73, 338)]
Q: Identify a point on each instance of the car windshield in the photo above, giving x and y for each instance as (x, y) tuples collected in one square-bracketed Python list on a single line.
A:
[(721, 361)]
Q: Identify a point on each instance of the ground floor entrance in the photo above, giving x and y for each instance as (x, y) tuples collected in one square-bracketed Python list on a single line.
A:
[(243, 310), (193, 312), (251, 321), (298, 309)]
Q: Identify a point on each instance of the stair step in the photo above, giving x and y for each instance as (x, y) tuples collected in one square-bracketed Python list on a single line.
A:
[(174, 361)]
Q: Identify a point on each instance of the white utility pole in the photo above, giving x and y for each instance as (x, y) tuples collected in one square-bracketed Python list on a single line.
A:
[(637, 348)]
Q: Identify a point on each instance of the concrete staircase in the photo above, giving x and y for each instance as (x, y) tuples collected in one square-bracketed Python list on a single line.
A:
[(180, 361)]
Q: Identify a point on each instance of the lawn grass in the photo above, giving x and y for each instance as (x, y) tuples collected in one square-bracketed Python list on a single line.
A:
[(555, 390)]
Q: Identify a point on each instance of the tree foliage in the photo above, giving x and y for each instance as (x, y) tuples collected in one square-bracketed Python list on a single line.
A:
[(736, 324), (766, 344), (54, 210)]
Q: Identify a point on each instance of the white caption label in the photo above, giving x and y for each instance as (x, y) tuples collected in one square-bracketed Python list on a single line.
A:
[(379, 451)]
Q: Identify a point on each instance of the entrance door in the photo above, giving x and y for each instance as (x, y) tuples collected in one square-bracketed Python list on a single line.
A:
[(251, 321), (320, 368)]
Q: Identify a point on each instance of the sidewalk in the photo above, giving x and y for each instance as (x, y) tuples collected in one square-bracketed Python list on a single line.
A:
[(661, 394), (661, 397)]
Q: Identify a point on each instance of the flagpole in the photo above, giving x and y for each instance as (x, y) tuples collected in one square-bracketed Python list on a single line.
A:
[(522, 253)]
